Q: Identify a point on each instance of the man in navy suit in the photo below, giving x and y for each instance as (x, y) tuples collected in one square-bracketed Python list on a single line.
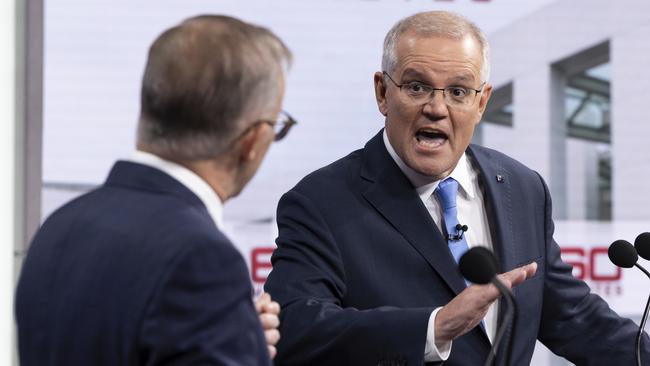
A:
[(366, 264), (138, 272)]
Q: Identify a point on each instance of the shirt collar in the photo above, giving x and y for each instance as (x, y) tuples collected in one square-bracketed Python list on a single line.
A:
[(187, 178), (463, 173)]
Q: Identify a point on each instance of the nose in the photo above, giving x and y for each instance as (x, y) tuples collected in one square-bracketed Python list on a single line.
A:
[(436, 107)]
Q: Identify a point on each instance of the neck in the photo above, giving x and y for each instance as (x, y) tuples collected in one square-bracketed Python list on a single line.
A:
[(217, 178), (212, 171)]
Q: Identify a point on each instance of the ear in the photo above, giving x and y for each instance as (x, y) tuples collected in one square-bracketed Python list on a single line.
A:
[(248, 144), (380, 93), (482, 104)]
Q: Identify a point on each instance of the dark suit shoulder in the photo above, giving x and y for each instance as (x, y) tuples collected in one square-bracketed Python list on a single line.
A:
[(496, 161), (333, 175), (130, 212), (506, 161)]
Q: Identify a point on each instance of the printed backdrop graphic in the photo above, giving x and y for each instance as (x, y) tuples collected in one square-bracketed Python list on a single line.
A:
[(584, 245)]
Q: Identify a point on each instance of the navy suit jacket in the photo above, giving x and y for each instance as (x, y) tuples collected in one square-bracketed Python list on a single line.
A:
[(136, 273), (360, 266)]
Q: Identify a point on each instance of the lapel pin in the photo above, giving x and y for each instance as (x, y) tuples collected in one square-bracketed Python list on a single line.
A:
[(499, 178)]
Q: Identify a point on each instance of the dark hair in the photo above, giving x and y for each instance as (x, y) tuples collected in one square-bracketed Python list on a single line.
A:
[(201, 78)]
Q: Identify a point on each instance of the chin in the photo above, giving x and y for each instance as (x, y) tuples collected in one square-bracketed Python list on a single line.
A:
[(428, 170), (430, 166)]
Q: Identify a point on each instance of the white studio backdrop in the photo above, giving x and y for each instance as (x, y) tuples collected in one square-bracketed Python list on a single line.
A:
[(95, 53)]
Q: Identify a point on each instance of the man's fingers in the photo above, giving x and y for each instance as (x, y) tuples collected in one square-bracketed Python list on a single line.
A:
[(467, 309), (463, 312), (518, 275), (262, 301), (531, 269), (269, 321), (271, 307), (272, 351), (272, 336)]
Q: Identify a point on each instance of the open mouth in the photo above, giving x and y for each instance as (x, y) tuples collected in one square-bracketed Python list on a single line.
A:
[(430, 137)]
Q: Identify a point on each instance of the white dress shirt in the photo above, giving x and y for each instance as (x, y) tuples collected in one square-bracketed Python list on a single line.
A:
[(471, 212), (187, 178)]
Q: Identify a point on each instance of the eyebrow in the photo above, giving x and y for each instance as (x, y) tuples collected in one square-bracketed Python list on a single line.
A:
[(462, 77), (410, 73)]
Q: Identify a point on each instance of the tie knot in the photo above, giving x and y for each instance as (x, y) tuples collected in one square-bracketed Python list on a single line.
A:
[(446, 193)]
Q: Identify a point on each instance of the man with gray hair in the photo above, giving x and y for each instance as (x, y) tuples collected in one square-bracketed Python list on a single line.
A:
[(138, 271), (366, 264)]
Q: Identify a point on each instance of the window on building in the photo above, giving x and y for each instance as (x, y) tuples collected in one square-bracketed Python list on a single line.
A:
[(586, 82), (588, 104), (499, 110)]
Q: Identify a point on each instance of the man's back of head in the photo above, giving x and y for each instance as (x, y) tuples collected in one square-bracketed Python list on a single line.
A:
[(202, 80)]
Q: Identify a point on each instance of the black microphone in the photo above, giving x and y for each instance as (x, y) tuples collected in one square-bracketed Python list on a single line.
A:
[(642, 245), (460, 230), (478, 265), (623, 254)]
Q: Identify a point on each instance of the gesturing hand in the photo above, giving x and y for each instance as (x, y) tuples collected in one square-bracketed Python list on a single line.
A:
[(469, 307), (268, 311)]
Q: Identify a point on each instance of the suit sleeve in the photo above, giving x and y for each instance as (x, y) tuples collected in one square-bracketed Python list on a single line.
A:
[(202, 313), (317, 328), (577, 324)]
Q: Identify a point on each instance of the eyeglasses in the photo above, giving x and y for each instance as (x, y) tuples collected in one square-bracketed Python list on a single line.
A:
[(454, 96), (281, 126)]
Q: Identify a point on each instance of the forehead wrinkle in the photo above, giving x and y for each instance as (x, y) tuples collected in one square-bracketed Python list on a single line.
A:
[(431, 75), (438, 55)]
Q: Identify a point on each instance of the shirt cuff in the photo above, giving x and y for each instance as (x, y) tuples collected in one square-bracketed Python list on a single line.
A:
[(431, 352)]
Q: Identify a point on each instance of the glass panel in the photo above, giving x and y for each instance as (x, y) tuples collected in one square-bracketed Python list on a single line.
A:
[(601, 72), (587, 104), (500, 108), (587, 114)]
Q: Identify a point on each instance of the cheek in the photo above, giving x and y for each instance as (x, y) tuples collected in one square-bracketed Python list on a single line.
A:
[(477, 115), (404, 114), (464, 126), (394, 107)]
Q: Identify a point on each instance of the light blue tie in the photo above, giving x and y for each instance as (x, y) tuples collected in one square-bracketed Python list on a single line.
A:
[(446, 195)]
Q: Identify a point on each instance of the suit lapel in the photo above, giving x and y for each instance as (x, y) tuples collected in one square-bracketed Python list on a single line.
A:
[(497, 185), (393, 196)]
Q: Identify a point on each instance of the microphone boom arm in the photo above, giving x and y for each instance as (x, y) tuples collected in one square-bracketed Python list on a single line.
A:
[(509, 316), (639, 335)]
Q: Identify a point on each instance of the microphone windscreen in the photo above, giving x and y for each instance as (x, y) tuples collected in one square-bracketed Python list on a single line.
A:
[(622, 254), (642, 245), (478, 265)]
